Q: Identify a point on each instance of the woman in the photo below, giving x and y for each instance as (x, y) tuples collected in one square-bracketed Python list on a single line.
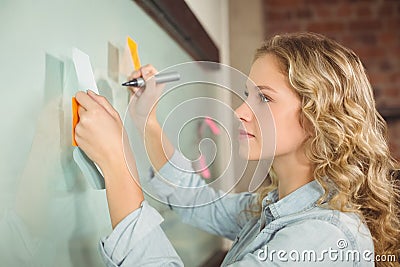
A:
[(331, 198)]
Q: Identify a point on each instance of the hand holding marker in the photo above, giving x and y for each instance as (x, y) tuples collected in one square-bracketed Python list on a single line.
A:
[(160, 78)]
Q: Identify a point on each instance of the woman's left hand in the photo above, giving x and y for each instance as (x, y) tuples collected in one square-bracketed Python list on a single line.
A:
[(99, 131)]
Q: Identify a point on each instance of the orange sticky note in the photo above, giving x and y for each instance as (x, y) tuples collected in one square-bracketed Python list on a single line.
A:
[(133, 48), (75, 119)]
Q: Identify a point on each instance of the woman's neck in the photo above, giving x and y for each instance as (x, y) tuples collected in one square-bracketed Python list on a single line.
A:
[(293, 171)]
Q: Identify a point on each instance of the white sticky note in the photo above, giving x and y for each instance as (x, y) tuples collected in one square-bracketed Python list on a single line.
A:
[(84, 71)]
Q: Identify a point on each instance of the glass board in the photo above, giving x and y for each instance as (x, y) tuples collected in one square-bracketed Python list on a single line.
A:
[(49, 214)]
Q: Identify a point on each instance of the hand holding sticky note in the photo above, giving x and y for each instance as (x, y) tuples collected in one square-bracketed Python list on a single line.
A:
[(86, 81)]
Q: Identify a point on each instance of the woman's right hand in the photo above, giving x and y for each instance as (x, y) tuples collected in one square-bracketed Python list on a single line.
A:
[(143, 101), (142, 109)]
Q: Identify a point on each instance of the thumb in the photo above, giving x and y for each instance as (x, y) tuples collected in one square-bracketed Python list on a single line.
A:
[(102, 101)]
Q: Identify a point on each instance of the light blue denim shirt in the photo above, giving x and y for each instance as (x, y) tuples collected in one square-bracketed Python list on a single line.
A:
[(290, 231)]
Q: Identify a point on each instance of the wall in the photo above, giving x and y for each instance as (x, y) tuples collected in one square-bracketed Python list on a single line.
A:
[(370, 28), (213, 15), (245, 32)]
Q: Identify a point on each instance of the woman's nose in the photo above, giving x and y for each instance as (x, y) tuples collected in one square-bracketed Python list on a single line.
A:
[(244, 113)]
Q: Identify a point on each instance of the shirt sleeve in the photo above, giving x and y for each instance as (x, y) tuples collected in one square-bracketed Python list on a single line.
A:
[(138, 240), (197, 203)]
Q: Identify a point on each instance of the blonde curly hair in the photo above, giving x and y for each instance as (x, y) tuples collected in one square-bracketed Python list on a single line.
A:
[(348, 143)]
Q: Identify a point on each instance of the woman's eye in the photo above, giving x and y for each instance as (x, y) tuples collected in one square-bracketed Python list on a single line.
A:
[(264, 98)]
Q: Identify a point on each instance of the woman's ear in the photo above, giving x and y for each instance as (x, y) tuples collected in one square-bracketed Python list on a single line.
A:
[(307, 126)]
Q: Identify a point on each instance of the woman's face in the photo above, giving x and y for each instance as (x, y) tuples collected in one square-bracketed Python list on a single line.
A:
[(271, 113)]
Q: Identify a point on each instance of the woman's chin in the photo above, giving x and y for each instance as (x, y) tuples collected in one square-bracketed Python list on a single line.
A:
[(247, 154)]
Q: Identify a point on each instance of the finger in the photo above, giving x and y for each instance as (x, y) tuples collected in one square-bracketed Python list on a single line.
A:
[(81, 110), (102, 101), (137, 93), (135, 74), (148, 71), (145, 72), (134, 97), (134, 90), (85, 101)]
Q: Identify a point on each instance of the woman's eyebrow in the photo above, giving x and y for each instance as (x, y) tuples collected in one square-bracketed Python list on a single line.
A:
[(265, 87)]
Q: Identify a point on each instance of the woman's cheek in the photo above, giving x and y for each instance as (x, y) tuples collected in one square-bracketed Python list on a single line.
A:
[(284, 138)]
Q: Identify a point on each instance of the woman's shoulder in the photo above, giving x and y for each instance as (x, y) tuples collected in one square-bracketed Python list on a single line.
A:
[(347, 226)]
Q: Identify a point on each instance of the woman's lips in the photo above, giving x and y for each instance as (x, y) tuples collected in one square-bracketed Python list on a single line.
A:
[(245, 135)]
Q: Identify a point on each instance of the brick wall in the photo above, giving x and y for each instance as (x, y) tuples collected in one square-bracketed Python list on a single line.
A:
[(370, 27)]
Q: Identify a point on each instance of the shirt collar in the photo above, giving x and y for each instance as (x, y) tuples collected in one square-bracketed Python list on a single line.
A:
[(297, 201)]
